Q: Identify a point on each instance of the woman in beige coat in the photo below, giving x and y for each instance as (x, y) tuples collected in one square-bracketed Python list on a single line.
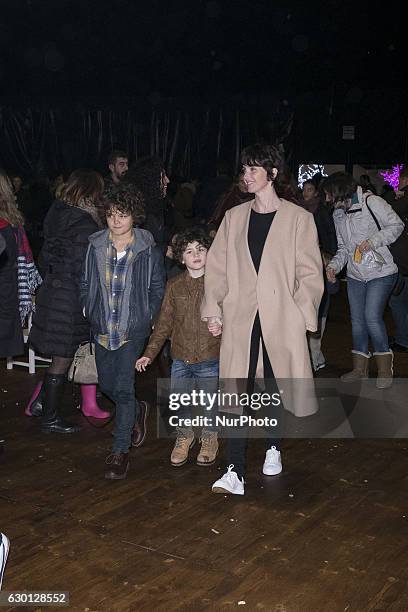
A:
[(263, 287)]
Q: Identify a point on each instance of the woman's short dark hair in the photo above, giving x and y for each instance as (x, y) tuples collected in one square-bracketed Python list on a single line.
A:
[(125, 199), (82, 185), (265, 155), (187, 236), (340, 186)]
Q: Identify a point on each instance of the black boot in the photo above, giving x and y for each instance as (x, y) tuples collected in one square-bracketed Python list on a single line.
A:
[(51, 422), (37, 405)]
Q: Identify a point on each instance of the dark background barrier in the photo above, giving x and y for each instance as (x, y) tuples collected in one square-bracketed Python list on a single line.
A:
[(191, 136)]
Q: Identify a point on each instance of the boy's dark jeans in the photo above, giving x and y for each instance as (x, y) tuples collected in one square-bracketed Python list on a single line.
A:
[(116, 373)]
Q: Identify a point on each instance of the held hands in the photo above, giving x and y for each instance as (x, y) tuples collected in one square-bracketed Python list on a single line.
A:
[(142, 363), (331, 274), (214, 325)]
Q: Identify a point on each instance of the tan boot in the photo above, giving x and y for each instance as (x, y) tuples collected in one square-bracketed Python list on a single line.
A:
[(384, 369), (209, 448), (360, 368), (184, 441)]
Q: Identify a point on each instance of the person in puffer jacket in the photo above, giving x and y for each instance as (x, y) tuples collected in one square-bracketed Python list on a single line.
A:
[(371, 271)]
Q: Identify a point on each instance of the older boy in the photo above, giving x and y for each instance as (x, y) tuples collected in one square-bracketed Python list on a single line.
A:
[(121, 291)]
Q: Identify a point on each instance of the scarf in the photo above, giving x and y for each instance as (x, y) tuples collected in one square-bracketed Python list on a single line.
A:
[(28, 278), (89, 207)]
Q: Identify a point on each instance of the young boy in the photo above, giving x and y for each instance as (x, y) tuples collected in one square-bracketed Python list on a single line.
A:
[(194, 350), (121, 291)]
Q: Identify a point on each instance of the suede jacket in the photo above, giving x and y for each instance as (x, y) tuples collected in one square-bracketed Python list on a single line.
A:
[(145, 282), (180, 320)]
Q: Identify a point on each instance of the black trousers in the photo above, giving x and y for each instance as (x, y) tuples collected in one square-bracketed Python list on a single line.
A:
[(237, 446)]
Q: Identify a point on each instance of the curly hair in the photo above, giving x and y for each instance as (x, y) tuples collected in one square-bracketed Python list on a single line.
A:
[(147, 175), (125, 199), (187, 236)]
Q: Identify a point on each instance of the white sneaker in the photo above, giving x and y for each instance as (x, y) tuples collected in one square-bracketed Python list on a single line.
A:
[(4, 550), (272, 464), (229, 483)]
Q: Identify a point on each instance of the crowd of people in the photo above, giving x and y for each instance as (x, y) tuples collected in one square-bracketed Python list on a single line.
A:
[(250, 265), (227, 280)]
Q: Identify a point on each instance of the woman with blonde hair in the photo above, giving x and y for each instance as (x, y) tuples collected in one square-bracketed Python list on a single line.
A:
[(18, 274), (58, 324)]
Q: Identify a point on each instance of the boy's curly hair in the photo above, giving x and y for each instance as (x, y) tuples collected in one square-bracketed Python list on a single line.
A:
[(125, 199), (185, 237)]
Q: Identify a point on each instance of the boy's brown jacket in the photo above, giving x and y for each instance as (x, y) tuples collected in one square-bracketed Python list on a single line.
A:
[(180, 320)]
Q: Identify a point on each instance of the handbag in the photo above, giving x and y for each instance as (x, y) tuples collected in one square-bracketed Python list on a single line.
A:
[(83, 367)]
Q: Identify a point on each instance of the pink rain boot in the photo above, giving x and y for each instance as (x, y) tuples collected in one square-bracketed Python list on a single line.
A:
[(89, 406), (33, 400)]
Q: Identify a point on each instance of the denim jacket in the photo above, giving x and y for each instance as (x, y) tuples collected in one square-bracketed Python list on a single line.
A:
[(144, 286)]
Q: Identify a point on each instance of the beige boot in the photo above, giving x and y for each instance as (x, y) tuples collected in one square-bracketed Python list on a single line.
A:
[(384, 369), (360, 368), (209, 448), (184, 441)]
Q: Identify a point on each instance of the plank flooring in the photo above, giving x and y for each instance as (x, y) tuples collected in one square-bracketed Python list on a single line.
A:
[(327, 535)]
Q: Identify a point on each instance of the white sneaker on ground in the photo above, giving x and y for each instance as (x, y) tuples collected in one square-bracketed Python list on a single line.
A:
[(229, 483), (272, 464), (4, 550)]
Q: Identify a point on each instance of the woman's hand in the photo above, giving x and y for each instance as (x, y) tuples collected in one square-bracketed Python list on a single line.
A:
[(364, 246), (331, 274), (214, 325), (142, 363)]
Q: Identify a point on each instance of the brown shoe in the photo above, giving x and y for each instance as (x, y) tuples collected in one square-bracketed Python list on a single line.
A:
[(140, 428), (385, 369), (361, 364), (119, 466), (209, 448), (184, 441)]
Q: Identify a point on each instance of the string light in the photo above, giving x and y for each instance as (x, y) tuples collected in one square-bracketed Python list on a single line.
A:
[(392, 176), (307, 172)]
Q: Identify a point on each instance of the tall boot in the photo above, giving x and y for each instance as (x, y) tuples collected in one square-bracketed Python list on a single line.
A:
[(35, 405), (51, 422), (89, 405), (360, 368), (384, 369)]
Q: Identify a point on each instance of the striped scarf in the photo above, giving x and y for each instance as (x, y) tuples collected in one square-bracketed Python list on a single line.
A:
[(28, 278)]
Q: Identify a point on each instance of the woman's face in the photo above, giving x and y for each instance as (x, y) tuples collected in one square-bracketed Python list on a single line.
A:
[(309, 191), (255, 178)]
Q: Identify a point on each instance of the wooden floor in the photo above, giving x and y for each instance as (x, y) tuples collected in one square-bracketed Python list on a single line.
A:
[(328, 535)]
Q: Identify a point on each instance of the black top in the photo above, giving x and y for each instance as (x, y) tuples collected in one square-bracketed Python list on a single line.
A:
[(259, 225)]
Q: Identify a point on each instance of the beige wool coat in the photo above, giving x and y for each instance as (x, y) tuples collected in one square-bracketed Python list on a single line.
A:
[(287, 292)]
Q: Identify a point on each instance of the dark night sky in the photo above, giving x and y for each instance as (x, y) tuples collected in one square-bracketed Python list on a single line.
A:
[(197, 47)]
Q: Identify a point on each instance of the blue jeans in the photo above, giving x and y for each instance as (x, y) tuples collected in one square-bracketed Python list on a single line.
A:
[(203, 374), (367, 303), (399, 309), (116, 374)]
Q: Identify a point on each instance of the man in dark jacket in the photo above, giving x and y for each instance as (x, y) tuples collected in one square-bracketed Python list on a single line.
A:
[(399, 303), (121, 292)]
